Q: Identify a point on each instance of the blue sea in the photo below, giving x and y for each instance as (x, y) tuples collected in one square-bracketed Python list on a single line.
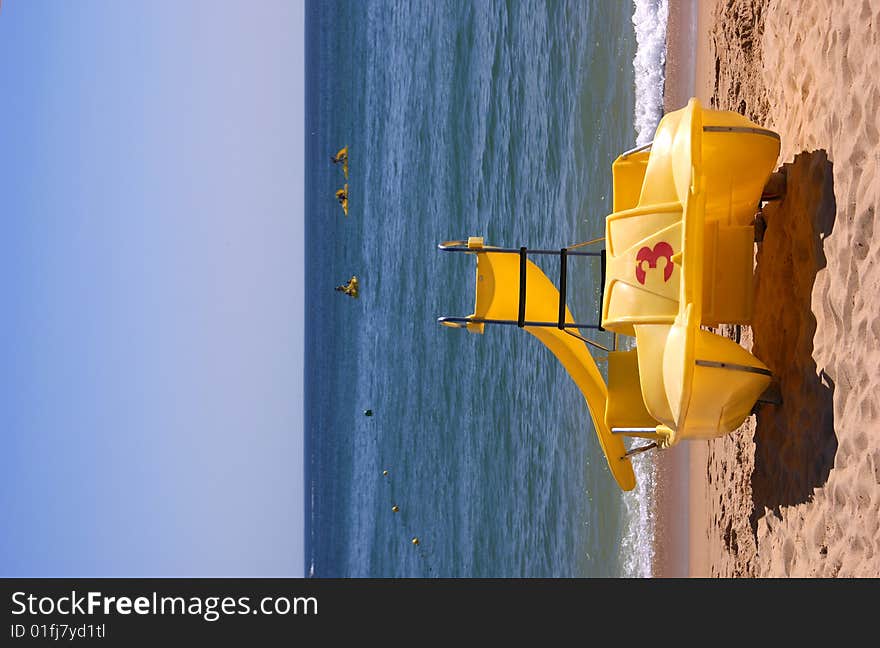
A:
[(493, 118)]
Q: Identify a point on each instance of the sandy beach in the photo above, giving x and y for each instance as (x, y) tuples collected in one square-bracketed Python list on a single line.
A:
[(795, 492)]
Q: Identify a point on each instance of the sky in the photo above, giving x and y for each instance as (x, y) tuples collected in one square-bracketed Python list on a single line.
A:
[(151, 278)]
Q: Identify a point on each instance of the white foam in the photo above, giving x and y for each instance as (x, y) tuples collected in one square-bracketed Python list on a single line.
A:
[(637, 539), (649, 20), (637, 543)]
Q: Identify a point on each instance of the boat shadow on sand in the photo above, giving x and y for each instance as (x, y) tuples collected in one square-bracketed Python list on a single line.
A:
[(795, 442)]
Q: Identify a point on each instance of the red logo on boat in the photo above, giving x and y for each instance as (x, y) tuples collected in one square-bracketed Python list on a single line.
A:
[(661, 250)]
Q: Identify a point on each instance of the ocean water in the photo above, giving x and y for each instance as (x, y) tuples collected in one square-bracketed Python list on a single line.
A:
[(484, 118)]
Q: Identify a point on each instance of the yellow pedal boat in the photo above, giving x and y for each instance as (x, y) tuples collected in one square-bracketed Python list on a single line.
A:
[(679, 250), (342, 197), (341, 156)]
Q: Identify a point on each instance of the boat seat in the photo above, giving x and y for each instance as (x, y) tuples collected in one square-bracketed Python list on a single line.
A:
[(641, 278), (627, 176), (625, 407)]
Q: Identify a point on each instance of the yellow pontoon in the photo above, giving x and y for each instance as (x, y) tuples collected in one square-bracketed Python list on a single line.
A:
[(679, 255)]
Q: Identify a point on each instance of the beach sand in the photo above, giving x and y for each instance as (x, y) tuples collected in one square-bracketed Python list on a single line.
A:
[(796, 490)]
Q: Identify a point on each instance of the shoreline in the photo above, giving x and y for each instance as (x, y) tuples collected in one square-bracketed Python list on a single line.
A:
[(681, 534)]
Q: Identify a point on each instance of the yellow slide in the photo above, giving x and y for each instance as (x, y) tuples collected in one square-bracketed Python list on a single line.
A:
[(498, 278)]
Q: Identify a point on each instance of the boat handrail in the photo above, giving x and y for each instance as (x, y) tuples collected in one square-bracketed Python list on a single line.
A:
[(637, 149)]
